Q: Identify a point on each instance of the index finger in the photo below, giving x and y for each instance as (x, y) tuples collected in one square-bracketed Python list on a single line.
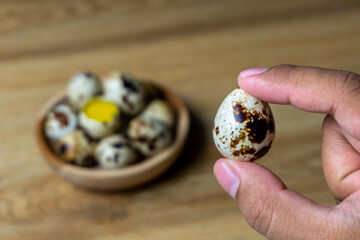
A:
[(310, 89)]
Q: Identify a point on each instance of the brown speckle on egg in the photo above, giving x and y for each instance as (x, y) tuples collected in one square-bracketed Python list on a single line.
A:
[(257, 129), (217, 130), (129, 85), (271, 124), (63, 149), (62, 118), (244, 150), (87, 74), (235, 141), (118, 145), (240, 112), (261, 152)]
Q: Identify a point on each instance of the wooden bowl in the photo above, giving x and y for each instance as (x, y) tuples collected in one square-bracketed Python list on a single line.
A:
[(122, 178)]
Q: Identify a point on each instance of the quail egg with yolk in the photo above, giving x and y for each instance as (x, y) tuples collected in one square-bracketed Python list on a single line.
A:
[(99, 118)]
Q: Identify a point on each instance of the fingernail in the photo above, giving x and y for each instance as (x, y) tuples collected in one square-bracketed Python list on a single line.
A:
[(227, 177), (252, 71)]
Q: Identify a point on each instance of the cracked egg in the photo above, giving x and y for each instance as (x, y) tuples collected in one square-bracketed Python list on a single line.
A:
[(99, 118)]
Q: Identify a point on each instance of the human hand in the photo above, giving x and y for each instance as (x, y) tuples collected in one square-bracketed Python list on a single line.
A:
[(267, 205)]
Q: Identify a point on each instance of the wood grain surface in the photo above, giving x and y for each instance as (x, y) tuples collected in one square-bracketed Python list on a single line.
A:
[(196, 48)]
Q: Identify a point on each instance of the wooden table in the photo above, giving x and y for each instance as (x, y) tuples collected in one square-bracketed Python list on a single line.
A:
[(196, 48)]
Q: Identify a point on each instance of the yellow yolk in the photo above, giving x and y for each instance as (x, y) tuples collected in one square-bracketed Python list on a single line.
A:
[(100, 110)]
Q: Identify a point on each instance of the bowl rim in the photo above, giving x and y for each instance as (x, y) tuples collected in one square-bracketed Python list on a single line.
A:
[(181, 132)]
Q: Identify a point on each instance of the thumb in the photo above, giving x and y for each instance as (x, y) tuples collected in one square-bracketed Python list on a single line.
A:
[(268, 206)]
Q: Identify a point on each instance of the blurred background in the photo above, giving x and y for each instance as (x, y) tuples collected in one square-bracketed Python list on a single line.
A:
[(196, 48)]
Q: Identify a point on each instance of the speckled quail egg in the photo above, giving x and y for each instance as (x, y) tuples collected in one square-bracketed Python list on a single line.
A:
[(122, 89), (244, 127), (148, 137), (60, 121), (75, 147), (114, 151), (159, 110), (83, 87), (99, 118)]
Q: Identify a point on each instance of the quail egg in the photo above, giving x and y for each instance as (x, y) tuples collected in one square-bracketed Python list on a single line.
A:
[(83, 87), (148, 137), (60, 121), (159, 110), (114, 151), (99, 118), (75, 147), (244, 127), (122, 89)]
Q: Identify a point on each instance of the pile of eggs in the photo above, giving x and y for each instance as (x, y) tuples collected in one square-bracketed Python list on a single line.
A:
[(111, 123)]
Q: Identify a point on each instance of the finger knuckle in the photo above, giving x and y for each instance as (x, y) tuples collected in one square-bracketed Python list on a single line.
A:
[(261, 215), (344, 86), (286, 69), (351, 83), (347, 82), (292, 73)]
